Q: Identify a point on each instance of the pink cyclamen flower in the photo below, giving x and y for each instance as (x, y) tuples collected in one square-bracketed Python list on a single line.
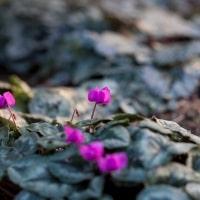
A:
[(74, 135), (7, 99), (92, 151), (99, 96), (2, 102), (113, 162)]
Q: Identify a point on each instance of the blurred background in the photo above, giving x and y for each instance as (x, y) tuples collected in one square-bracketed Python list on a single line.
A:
[(146, 51)]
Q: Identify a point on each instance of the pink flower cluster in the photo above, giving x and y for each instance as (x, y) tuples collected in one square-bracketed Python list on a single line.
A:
[(100, 96), (7, 100), (95, 152)]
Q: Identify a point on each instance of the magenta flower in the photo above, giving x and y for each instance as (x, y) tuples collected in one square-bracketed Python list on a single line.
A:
[(10, 99), (113, 162), (74, 135), (7, 99), (93, 94), (92, 151), (2, 102), (100, 96)]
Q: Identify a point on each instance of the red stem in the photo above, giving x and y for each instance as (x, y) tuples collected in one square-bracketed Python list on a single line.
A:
[(93, 111), (73, 114), (92, 115)]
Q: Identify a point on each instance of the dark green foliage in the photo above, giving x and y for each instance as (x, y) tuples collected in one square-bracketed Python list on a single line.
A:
[(41, 163)]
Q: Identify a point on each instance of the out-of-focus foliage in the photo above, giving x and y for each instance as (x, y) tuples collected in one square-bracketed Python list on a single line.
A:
[(151, 46)]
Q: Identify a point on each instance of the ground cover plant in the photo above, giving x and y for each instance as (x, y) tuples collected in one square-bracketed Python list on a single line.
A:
[(86, 91), (121, 155)]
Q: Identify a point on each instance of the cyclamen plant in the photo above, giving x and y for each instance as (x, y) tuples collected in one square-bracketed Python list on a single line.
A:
[(95, 151), (36, 163), (99, 96)]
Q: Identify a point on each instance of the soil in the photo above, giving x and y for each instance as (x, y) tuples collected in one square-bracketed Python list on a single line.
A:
[(187, 114)]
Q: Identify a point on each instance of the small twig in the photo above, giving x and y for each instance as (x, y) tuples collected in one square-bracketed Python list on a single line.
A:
[(12, 116), (73, 114)]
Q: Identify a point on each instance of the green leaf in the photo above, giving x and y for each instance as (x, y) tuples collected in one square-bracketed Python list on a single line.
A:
[(41, 128), (2, 164), (68, 173), (26, 144), (48, 188), (150, 149), (25, 195), (130, 176), (22, 171), (114, 137), (31, 174), (94, 190), (48, 136), (51, 143), (4, 136), (8, 155), (94, 122), (162, 192), (173, 174), (68, 153)]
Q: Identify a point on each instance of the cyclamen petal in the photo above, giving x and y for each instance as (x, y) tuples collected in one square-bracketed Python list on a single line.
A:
[(74, 135), (93, 94), (7, 99), (99, 96), (10, 99), (113, 162), (2, 102), (107, 95), (68, 130), (92, 151)]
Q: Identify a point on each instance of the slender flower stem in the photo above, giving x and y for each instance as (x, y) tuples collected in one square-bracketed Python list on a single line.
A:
[(93, 111), (12, 116), (92, 115), (73, 114)]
